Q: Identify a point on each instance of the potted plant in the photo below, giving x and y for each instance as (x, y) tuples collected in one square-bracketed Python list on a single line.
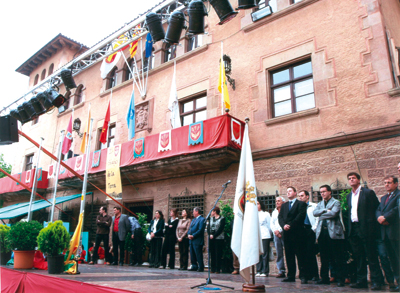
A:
[(5, 251), (52, 241), (22, 239)]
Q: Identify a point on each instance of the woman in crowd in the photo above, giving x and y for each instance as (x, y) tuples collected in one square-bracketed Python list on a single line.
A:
[(170, 240), (266, 235), (216, 231), (156, 233), (183, 240)]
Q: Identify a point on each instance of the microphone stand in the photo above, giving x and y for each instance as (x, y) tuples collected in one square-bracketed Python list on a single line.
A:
[(208, 280)]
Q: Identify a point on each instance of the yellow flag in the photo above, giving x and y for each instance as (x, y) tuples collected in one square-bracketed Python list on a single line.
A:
[(85, 137), (70, 263), (222, 79)]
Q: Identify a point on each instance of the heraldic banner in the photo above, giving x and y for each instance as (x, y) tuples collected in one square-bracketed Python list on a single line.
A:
[(113, 174)]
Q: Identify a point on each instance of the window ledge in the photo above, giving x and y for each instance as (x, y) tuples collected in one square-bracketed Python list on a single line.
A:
[(276, 15), (394, 92), (292, 116), (80, 105)]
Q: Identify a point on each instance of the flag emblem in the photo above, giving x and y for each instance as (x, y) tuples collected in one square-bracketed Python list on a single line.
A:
[(236, 131), (138, 148), (196, 133), (96, 159), (164, 140)]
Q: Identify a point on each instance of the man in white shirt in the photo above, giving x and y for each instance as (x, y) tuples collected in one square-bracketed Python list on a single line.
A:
[(278, 238), (310, 225), (363, 232)]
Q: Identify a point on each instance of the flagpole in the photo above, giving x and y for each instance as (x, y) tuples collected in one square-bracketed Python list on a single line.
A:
[(133, 74), (33, 193), (85, 179), (108, 126), (141, 50), (222, 77), (57, 172)]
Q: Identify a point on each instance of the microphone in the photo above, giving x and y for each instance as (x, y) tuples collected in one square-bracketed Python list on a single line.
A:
[(226, 184)]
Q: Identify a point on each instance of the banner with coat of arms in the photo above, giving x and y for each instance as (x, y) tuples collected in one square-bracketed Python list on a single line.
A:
[(236, 131), (96, 159), (138, 148), (28, 176), (52, 171), (78, 163), (39, 175), (164, 141), (62, 168), (196, 133), (113, 174), (19, 175)]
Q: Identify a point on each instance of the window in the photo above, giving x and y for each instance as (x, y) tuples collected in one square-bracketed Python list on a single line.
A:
[(169, 52), (269, 202), (187, 202), (195, 42), (78, 95), (112, 78), (194, 110), (36, 79), (51, 69), (294, 1), (35, 121), (28, 162), (43, 76), (292, 89), (111, 137), (128, 74), (264, 3)]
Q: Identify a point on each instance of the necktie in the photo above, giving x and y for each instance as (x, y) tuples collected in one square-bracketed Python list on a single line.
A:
[(387, 199), (290, 205)]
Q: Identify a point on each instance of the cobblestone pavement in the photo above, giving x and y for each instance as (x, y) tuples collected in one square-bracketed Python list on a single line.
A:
[(148, 280)]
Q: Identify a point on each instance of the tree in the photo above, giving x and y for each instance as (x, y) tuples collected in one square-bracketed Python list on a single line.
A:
[(5, 166)]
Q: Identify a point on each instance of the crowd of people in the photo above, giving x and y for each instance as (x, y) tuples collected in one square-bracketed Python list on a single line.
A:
[(360, 228)]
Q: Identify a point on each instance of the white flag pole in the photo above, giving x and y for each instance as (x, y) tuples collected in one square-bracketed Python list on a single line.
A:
[(133, 74), (33, 193), (222, 77), (57, 173)]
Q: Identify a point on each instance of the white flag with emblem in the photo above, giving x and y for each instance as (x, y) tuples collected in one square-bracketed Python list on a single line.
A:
[(246, 235)]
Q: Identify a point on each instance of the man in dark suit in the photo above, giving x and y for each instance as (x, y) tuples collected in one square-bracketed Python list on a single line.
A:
[(120, 227), (363, 232), (196, 241), (387, 215), (291, 219)]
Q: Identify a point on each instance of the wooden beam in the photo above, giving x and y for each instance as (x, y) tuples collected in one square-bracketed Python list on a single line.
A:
[(57, 45)]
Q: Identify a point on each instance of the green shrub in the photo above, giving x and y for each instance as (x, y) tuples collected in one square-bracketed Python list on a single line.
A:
[(53, 239), (4, 231), (23, 235), (227, 213)]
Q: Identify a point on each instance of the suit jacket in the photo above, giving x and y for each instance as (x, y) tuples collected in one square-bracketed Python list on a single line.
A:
[(391, 213), (159, 228), (367, 205), (124, 226), (335, 225), (197, 230), (295, 218)]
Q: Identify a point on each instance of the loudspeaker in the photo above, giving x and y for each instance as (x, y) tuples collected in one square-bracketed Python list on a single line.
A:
[(8, 130)]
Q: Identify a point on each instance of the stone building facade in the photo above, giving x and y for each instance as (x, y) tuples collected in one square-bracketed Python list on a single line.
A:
[(349, 120)]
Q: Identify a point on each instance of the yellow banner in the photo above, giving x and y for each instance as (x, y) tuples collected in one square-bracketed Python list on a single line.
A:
[(113, 174)]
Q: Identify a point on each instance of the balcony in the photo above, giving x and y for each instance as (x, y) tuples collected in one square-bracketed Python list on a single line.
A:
[(12, 191), (222, 138)]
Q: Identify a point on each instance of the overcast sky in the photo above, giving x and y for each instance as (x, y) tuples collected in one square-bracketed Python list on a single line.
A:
[(28, 25)]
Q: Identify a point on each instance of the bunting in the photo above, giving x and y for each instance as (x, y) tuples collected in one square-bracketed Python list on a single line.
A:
[(236, 131), (96, 159), (78, 163)]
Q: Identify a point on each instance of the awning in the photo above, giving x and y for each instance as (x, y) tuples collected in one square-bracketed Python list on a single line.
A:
[(20, 209)]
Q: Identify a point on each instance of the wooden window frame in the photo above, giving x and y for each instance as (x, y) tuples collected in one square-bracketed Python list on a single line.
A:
[(290, 82), (99, 144), (29, 162), (194, 111), (112, 78)]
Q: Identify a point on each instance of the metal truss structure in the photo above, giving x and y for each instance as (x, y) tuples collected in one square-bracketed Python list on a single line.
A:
[(111, 44)]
